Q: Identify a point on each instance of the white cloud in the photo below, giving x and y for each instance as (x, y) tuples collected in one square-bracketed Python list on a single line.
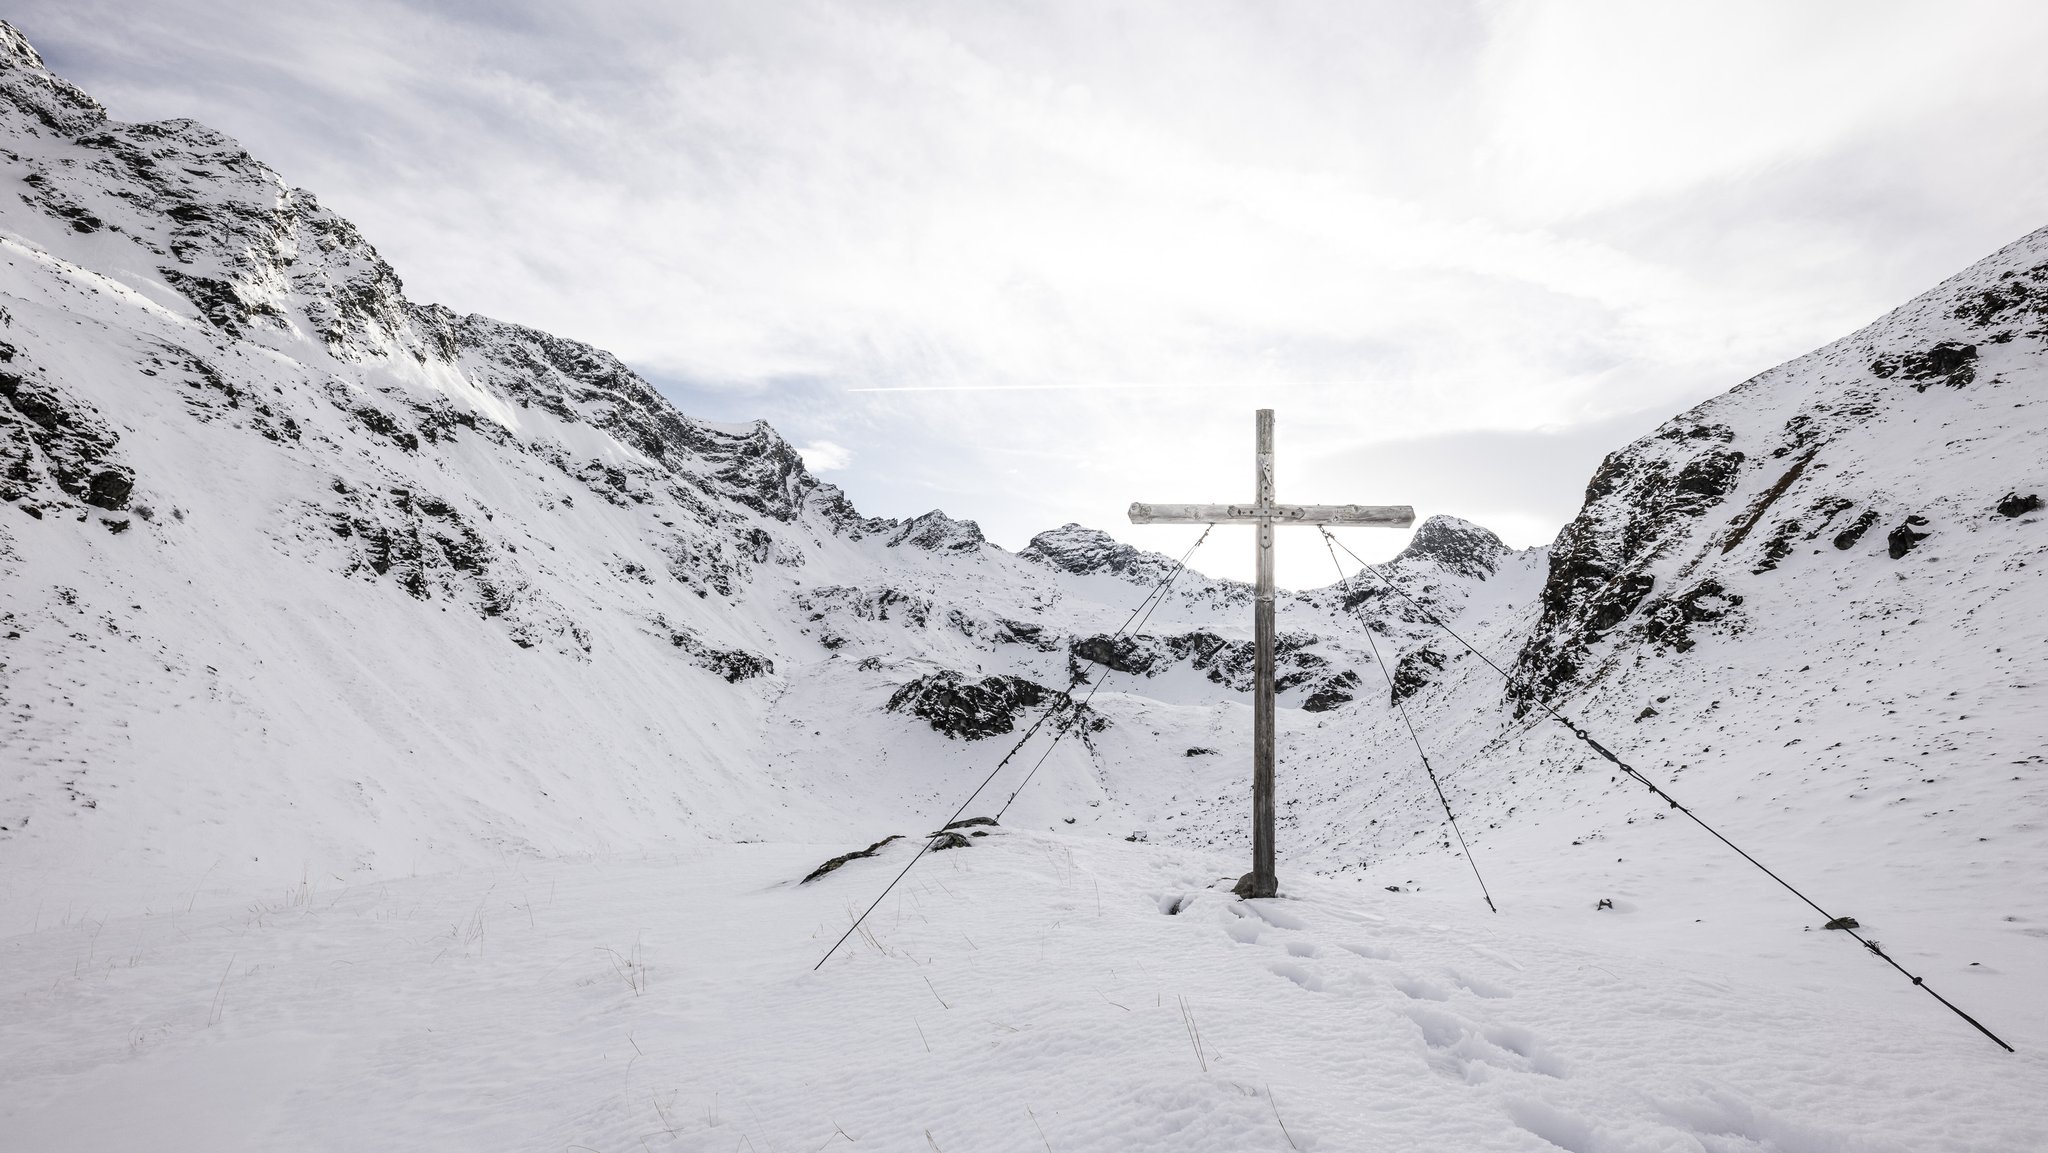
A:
[(824, 456)]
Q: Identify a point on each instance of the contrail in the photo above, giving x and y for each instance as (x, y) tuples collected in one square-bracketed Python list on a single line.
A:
[(1103, 385)]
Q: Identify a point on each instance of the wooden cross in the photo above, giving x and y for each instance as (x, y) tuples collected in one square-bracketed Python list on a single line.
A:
[(1265, 513)]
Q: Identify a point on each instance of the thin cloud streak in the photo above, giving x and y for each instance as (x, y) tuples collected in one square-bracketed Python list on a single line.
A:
[(1096, 387)]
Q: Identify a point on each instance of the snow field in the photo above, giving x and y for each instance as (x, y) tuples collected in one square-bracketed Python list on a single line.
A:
[(1030, 992)]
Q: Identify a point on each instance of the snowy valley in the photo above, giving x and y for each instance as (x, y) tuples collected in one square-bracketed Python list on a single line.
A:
[(414, 731)]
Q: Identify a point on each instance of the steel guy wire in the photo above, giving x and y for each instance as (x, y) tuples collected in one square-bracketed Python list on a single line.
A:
[(1402, 706), (1632, 771), (1157, 593)]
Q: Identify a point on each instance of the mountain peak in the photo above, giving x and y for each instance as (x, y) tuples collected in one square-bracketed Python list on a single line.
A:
[(28, 84), (937, 532), (1457, 545), (1082, 550)]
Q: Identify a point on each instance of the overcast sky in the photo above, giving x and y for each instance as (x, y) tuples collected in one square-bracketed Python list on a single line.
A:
[(1028, 262)]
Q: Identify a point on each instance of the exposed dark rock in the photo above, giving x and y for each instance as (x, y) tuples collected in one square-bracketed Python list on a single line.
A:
[(935, 532), (48, 439), (876, 604), (833, 864), (1227, 663), (1202, 649), (1199, 751), (1582, 600), (1020, 632), (1951, 362), (1600, 563), (1231, 663), (1334, 691), (109, 488), (1847, 538), (736, 665), (27, 83), (1762, 504), (972, 710), (1125, 654), (1613, 604), (971, 822), (381, 423), (1416, 669), (1843, 923), (218, 300), (1671, 621), (1075, 549), (47, 199), (2016, 505), (943, 841), (1778, 546), (432, 551), (2016, 298), (1455, 545), (1903, 539), (1613, 467), (1706, 479)]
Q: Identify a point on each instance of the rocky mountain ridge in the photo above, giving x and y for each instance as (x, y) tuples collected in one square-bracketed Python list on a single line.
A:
[(335, 519), (1782, 464)]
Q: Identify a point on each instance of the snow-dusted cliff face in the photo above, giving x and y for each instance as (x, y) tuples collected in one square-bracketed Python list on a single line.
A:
[(301, 576), (1912, 449)]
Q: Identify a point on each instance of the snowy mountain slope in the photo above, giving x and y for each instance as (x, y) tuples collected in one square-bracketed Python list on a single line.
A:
[(302, 578), (1811, 607)]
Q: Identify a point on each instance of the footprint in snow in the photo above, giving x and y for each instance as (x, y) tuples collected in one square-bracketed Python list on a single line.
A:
[(1299, 974), (1273, 914), (1419, 989), (1370, 952), (1564, 1130), (1478, 986), (1460, 1049), (1724, 1119), (1523, 1043), (1173, 904)]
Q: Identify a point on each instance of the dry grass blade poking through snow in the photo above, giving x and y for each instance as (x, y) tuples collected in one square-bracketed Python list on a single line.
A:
[(219, 1005), (628, 966), (1187, 1018)]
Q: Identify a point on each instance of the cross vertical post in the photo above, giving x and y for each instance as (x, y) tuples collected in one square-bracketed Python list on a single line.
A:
[(1265, 883), (1264, 513)]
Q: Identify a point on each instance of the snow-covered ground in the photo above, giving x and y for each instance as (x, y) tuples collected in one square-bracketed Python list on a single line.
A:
[(1031, 992), (412, 730)]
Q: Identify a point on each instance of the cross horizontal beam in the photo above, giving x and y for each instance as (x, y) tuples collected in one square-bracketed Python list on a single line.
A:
[(1374, 515)]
